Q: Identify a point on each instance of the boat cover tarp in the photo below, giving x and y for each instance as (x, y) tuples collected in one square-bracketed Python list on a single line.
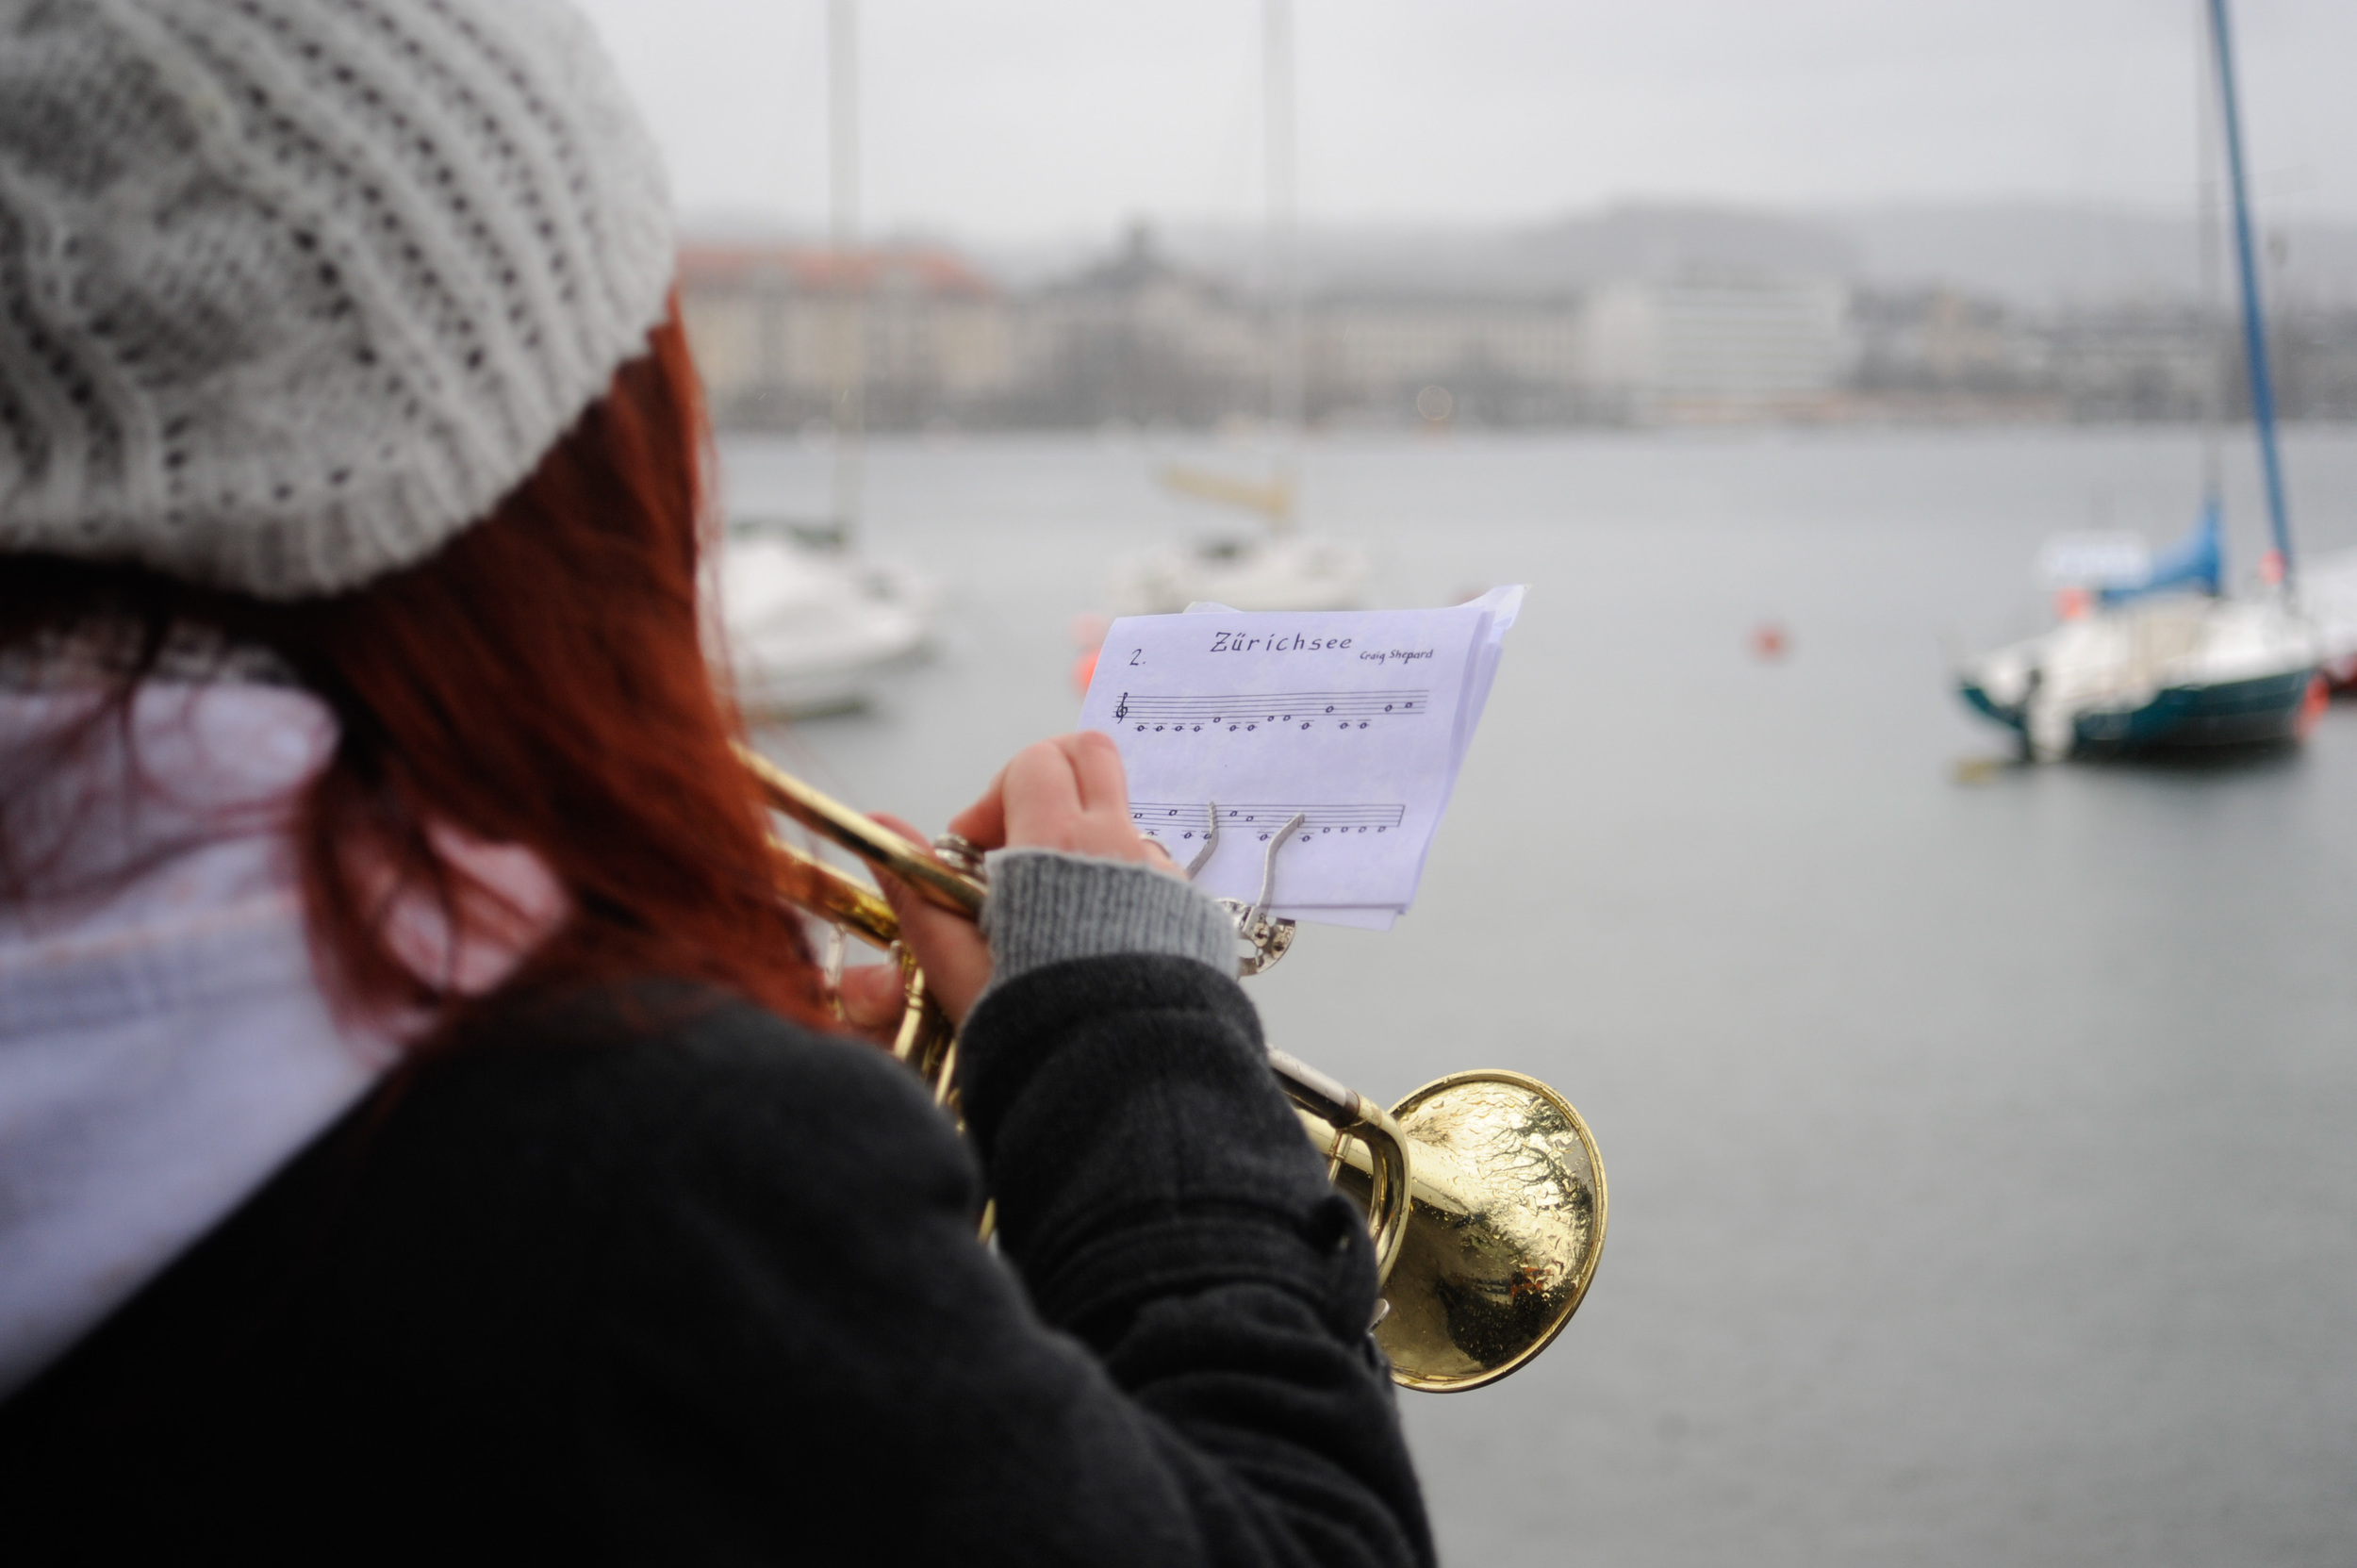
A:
[(2197, 561)]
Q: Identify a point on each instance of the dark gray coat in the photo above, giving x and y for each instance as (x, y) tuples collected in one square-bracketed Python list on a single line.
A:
[(654, 1278)]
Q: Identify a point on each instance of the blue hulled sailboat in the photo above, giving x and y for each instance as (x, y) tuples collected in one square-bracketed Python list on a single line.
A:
[(2166, 660)]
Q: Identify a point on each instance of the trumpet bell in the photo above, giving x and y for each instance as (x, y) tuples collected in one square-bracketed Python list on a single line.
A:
[(1506, 1220)]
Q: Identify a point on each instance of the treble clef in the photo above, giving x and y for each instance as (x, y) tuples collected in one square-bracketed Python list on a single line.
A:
[(1123, 710)]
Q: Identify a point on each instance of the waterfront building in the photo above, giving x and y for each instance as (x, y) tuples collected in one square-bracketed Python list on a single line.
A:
[(1140, 340), (1498, 360), (777, 329), (1708, 348)]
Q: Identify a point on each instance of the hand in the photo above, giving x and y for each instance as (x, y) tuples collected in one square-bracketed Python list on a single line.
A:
[(1069, 793)]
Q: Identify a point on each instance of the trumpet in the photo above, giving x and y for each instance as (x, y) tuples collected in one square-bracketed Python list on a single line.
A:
[(1483, 1190)]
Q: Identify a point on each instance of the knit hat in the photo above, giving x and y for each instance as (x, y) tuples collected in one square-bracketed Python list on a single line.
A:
[(292, 291)]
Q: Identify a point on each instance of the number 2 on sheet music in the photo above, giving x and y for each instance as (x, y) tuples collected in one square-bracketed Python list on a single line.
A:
[(1137, 656)]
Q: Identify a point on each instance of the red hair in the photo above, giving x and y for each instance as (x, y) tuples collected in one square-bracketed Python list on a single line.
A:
[(540, 681)]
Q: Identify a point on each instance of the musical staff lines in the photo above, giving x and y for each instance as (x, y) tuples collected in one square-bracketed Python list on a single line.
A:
[(1182, 821), (1244, 712)]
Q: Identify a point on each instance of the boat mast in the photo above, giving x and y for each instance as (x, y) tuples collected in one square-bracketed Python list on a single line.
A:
[(849, 358), (2247, 262), (1283, 261), (2209, 240)]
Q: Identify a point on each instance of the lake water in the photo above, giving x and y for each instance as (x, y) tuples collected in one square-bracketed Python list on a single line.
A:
[(1983, 1185)]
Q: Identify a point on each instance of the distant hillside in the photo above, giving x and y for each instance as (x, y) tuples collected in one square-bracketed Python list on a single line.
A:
[(2024, 253), (2050, 254)]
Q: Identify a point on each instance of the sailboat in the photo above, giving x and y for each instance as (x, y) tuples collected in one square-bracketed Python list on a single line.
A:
[(2162, 658), (809, 623), (1274, 568), (1277, 569)]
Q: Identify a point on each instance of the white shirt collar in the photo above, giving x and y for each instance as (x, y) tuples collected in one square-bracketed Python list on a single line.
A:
[(165, 1045)]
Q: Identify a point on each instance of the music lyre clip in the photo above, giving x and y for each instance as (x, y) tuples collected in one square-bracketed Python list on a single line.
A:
[(1211, 839), (1267, 937)]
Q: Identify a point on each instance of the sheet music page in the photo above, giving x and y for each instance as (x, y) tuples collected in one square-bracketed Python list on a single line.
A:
[(1356, 719)]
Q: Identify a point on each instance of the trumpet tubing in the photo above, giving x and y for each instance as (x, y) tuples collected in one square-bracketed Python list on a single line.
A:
[(1484, 1191)]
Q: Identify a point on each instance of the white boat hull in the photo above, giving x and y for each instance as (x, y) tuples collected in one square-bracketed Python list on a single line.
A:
[(1277, 573), (2156, 673), (809, 631)]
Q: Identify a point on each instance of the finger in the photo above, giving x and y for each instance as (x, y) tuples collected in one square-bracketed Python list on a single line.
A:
[(951, 951), (983, 824), (906, 828), (1043, 795), (948, 946), (1104, 785), (870, 997)]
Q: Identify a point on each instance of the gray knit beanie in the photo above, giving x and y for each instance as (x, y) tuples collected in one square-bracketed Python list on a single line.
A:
[(292, 291)]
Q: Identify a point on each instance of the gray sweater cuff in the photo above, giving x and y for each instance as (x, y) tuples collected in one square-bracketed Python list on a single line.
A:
[(1046, 906)]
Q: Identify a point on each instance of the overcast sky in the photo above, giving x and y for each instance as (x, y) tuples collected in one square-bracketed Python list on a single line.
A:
[(1022, 121)]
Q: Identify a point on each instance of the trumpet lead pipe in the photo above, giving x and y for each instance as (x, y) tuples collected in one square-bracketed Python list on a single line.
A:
[(866, 837), (857, 908)]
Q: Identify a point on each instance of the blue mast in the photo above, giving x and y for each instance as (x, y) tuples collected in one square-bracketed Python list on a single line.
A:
[(2254, 339)]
